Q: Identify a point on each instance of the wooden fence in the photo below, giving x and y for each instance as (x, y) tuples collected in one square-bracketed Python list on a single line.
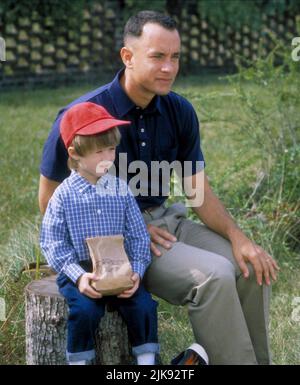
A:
[(38, 51)]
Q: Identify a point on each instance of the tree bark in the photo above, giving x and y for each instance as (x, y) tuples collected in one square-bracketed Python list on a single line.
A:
[(46, 329)]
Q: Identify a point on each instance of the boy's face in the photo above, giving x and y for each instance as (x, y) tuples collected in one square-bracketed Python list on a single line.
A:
[(96, 163)]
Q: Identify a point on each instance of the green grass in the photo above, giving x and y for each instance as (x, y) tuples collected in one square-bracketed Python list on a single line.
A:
[(232, 165)]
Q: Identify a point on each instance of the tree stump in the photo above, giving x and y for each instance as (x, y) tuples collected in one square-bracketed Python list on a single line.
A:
[(46, 314)]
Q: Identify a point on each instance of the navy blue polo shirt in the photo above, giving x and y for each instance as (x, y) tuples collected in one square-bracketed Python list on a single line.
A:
[(166, 130)]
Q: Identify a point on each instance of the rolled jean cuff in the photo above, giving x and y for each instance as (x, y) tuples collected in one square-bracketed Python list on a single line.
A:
[(81, 356), (145, 348)]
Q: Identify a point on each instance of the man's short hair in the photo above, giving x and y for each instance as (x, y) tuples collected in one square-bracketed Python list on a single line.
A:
[(135, 24)]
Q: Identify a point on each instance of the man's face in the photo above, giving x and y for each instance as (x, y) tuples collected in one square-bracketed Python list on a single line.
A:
[(155, 59)]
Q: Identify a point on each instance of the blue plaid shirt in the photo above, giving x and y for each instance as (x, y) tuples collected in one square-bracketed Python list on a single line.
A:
[(79, 210)]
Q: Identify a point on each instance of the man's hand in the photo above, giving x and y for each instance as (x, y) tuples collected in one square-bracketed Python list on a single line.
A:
[(263, 264), (160, 237), (129, 293), (84, 286)]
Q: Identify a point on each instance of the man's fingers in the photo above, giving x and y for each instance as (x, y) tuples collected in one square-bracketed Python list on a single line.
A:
[(265, 267), (244, 268), (161, 241), (155, 250), (269, 265), (273, 264), (273, 272), (258, 268), (161, 236), (272, 267), (166, 235)]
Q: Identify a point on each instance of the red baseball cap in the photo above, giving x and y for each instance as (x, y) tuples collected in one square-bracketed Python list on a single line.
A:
[(86, 119)]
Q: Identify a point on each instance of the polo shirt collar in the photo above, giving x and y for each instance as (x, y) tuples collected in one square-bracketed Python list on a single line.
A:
[(123, 104)]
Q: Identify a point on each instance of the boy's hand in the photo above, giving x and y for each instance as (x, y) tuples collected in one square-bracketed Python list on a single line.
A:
[(129, 293), (84, 286)]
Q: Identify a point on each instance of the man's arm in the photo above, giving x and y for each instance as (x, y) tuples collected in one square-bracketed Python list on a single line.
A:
[(214, 215), (211, 211), (46, 190)]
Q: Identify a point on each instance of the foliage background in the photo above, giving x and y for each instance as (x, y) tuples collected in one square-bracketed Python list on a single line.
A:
[(233, 12), (59, 42)]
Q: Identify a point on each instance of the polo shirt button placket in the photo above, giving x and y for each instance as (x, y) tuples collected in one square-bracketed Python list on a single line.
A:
[(143, 139), (142, 130)]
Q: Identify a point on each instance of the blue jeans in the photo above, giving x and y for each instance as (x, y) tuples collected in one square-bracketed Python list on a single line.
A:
[(139, 312)]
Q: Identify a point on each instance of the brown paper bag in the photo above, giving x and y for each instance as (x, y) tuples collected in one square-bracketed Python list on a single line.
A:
[(110, 264)]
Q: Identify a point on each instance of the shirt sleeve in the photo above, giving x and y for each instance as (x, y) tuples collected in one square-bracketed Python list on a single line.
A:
[(190, 154), (55, 241), (54, 158), (136, 237)]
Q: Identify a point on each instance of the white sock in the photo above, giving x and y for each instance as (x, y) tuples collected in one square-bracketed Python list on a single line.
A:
[(83, 362), (200, 350), (146, 359)]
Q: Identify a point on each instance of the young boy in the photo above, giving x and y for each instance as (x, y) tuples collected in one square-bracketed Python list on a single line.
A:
[(80, 209)]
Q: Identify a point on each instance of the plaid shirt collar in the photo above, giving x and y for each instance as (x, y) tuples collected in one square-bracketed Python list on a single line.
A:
[(82, 185)]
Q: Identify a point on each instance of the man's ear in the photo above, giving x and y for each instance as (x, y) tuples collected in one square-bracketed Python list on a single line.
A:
[(72, 153), (126, 56)]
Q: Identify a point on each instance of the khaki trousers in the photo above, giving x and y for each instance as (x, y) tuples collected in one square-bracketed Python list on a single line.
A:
[(228, 313)]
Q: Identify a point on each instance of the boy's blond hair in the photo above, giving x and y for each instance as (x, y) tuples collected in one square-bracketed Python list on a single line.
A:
[(84, 144)]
